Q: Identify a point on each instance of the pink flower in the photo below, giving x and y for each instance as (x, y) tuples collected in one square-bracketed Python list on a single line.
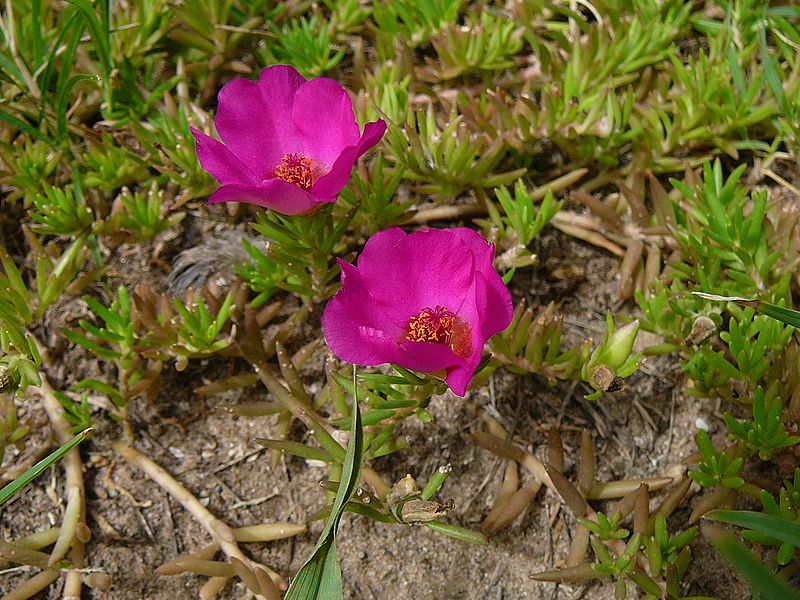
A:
[(426, 301), (289, 144)]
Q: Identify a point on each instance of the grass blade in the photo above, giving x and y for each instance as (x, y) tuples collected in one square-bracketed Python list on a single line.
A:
[(781, 529), (20, 482), (782, 314), (26, 127), (757, 575), (321, 577)]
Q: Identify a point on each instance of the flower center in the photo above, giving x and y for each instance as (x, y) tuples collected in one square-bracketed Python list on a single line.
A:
[(440, 326), (297, 169)]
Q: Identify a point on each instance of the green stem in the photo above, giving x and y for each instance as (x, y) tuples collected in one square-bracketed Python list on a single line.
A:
[(315, 423)]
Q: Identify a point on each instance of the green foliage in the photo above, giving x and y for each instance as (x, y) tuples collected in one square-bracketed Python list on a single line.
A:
[(390, 400), (115, 340), (111, 166), (762, 581), (305, 246), (617, 566), (305, 44), (212, 35), (721, 229), (605, 528), (169, 144), (483, 43), (141, 215), (532, 344), (79, 414), (716, 468), (8, 491), (787, 512), (263, 275), (521, 222), (374, 191), (56, 272), (30, 164), (414, 22), (60, 211), (21, 358), (663, 550), (728, 246), (321, 576), (765, 433), (198, 331), (347, 16), (389, 88), (12, 432), (446, 156)]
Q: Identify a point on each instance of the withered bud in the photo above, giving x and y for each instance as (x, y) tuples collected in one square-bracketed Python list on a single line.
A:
[(419, 511), (604, 379), (7, 381), (702, 329)]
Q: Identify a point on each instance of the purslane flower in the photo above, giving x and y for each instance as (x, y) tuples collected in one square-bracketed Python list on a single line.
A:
[(426, 301), (288, 144)]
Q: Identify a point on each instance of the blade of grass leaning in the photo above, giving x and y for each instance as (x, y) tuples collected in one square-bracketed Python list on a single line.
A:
[(321, 577), (753, 570), (20, 482), (780, 529), (782, 314), (27, 128)]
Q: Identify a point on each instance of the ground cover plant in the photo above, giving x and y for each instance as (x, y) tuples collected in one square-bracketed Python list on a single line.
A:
[(399, 299)]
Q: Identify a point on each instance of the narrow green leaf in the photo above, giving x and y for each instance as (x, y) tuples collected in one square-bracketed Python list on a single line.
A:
[(460, 533), (781, 529), (12, 488), (321, 577), (27, 128), (782, 314), (297, 448), (771, 73), (758, 575), (100, 37)]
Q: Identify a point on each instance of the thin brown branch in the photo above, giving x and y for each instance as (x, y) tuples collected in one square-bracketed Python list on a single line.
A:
[(75, 511), (219, 531)]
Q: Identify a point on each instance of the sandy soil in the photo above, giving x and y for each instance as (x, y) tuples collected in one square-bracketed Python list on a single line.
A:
[(644, 430)]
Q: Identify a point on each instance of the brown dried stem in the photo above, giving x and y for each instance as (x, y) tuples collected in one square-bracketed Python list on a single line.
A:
[(219, 531), (507, 490), (32, 586), (75, 511), (508, 450), (212, 587)]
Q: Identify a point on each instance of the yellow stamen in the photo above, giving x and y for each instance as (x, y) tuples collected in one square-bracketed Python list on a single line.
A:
[(296, 168), (440, 326)]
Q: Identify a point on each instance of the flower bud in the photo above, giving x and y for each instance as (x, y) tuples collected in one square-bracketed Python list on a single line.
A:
[(702, 329), (617, 349), (612, 359)]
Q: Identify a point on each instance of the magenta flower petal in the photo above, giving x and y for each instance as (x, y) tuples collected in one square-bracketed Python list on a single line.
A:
[(323, 115), (426, 268), (280, 131), (221, 162), (426, 301), (361, 333), (253, 118), (499, 309), (275, 194), (332, 182)]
